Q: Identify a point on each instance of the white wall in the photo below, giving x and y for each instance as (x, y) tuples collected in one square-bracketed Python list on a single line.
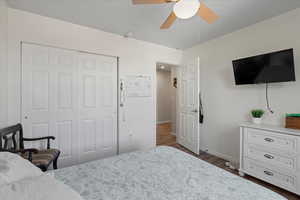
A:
[(227, 105), (136, 57), (164, 97), (174, 72), (3, 63)]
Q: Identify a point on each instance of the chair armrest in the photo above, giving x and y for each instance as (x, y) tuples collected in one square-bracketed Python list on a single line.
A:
[(48, 138), (41, 138)]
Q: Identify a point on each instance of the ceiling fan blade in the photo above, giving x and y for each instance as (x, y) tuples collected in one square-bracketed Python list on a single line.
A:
[(149, 1), (170, 20), (207, 14)]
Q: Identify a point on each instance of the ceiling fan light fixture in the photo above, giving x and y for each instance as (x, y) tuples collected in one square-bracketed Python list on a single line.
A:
[(185, 9)]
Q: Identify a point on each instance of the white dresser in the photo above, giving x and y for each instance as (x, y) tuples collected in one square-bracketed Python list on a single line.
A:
[(272, 154)]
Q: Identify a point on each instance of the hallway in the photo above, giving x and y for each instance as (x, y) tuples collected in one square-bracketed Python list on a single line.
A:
[(164, 135)]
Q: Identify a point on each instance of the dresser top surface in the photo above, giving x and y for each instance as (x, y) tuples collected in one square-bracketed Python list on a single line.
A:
[(274, 128)]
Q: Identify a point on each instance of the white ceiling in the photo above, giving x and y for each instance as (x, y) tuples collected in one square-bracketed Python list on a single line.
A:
[(121, 17)]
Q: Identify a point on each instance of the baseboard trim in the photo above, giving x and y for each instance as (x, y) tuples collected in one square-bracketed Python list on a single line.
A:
[(163, 122), (229, 158)]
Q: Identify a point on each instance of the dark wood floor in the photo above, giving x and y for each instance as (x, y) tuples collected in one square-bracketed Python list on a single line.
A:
[(164, 137)]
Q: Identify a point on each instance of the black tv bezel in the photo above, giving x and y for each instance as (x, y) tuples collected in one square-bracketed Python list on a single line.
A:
[(293, 68)]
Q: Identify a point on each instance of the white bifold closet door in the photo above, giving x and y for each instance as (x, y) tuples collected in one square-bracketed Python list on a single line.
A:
[(72, 96)]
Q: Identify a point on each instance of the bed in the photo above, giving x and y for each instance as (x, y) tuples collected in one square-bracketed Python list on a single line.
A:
[(163, 173)]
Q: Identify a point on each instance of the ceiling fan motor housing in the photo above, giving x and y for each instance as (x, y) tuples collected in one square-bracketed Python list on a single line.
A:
[(185, 9)]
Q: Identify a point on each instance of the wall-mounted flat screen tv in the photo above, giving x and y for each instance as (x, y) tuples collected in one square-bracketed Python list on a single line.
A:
[(267, 68)]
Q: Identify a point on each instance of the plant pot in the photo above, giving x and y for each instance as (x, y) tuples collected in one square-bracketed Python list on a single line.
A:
[(256, 120)]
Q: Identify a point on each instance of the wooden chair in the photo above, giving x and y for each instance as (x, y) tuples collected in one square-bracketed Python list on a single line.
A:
[(41, 158)]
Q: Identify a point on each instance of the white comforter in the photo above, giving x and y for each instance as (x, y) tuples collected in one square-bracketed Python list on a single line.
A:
[(13, 168), (160, 174), (21, 180), (38, 188)]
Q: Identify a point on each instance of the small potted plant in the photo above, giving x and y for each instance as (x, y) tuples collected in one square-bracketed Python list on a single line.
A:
[(257, 115)]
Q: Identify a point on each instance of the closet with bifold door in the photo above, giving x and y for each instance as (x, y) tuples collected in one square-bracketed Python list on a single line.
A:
[(73, 96)]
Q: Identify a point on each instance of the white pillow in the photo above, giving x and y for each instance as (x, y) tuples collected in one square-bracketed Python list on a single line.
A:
[(13, 168), (41, 187)]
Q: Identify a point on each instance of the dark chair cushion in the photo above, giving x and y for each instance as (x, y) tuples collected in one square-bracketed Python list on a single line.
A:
[(43, 158)]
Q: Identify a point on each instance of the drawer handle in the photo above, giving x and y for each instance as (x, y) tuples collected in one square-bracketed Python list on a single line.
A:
[(269, 140), (269, 156), (269, 173)]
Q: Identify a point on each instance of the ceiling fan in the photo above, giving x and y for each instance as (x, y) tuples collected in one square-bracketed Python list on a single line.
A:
[(183, 9)]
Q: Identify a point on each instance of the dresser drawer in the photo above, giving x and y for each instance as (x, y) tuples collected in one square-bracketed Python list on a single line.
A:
[(271, 140), (268, 174), (267, 156)]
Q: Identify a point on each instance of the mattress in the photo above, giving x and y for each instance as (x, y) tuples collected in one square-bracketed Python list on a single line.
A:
[(163, 173)]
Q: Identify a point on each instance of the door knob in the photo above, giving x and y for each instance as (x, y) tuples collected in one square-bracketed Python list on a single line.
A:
[(195, 111)]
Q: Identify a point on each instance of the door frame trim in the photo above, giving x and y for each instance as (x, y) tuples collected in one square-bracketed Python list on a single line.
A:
[(69, 49)]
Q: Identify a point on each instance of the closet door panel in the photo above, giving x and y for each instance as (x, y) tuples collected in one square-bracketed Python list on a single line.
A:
[(98, 106), (49, 98)]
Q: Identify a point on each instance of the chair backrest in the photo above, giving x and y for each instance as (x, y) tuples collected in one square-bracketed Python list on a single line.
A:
[(13, 135)]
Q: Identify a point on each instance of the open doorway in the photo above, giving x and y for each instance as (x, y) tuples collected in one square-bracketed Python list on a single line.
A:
[(179, 100), (166, 108)]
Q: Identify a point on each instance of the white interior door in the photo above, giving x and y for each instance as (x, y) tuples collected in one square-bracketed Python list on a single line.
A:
[(189, 126), (66, 96), (97, 106)]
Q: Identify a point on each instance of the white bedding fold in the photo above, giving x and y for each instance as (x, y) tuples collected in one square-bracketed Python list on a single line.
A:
[(42, 187), (13, 168)]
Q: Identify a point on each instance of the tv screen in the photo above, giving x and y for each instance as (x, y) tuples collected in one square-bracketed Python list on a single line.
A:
[(266, 68)]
